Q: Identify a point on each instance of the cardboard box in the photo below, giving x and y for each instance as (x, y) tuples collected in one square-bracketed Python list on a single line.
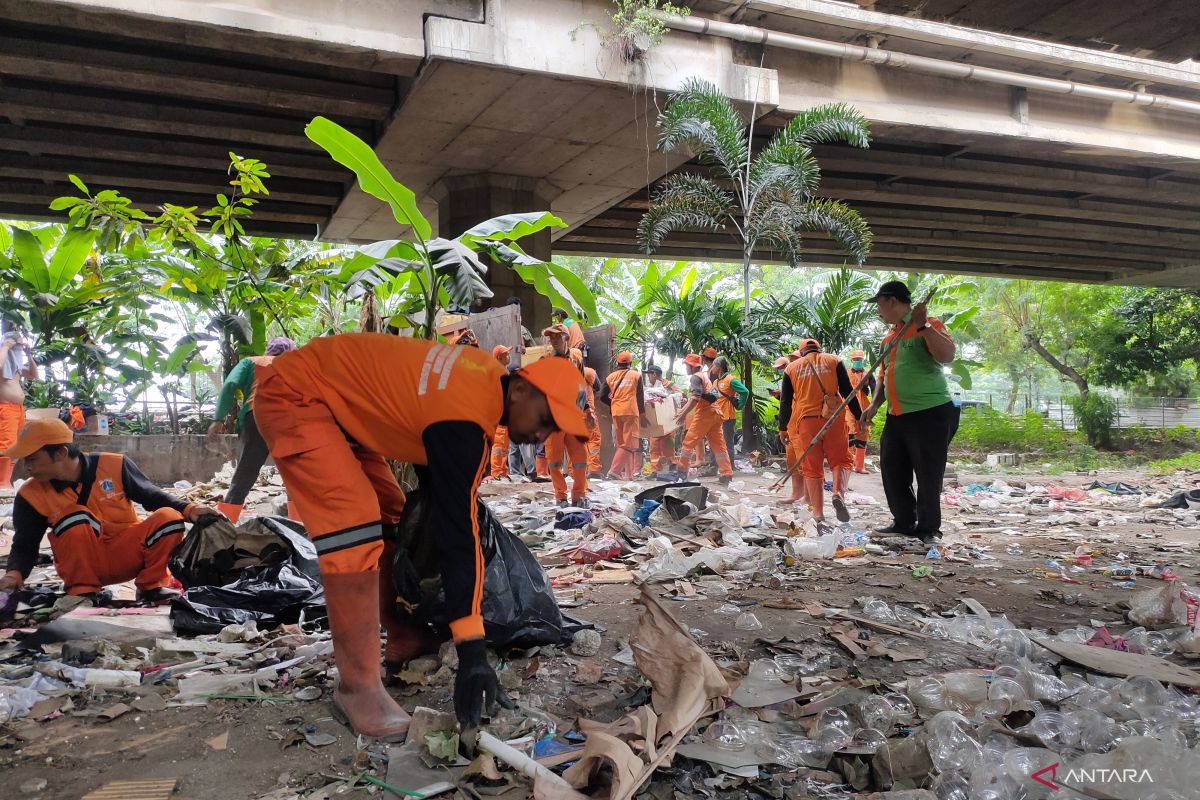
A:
[(534, 353), (660, 419)]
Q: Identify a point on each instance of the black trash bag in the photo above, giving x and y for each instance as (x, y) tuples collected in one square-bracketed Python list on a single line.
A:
[(268, 573), (269, 595), (215, 553), (519, 609), (676, 497)]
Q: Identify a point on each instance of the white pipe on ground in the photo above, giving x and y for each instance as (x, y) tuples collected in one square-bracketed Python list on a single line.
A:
[(928, 66)]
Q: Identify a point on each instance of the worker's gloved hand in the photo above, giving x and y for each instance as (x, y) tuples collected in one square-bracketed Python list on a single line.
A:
[(476, 689)]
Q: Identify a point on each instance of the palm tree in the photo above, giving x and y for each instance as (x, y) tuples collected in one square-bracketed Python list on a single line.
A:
[(837, 315), (767, 200)]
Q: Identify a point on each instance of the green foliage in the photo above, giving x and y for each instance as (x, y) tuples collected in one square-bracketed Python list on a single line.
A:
[(635, 29), (435, 272), (1188, 462), (1151, 337), (983, 428), (1095, 415)]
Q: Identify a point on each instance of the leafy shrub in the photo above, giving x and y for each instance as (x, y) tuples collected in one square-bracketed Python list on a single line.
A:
[(1095, 415), (1187, 462)]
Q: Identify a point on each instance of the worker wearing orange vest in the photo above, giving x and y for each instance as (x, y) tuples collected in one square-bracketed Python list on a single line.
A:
[(595, 441), (859, 433), (500, 439), (86, 502), (703, 421), (813, 389), (332, 412), (252, 451), (575, 337), (559, 446), (624, 395)]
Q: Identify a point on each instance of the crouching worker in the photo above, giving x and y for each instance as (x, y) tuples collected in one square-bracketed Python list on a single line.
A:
[(331, 412), (86, 502)]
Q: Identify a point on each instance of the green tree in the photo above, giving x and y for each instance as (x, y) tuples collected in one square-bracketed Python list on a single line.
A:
[(768, 200), (1150, 338)]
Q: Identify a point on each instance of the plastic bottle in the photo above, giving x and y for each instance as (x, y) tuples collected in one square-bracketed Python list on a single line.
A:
[(747, 621)]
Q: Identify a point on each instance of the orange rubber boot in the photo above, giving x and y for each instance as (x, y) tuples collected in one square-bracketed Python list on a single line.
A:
[(6, 471), (360, 701), (860, 460), (405, 639), (816, 497)]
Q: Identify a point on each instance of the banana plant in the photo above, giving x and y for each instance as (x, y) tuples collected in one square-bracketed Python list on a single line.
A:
[(435, 271)]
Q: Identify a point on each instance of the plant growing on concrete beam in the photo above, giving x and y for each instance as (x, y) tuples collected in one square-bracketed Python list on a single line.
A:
[(769, 200), (440, 272), (636, 26)]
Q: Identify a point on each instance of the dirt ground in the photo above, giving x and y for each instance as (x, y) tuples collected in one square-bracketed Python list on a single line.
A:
[(77, 755)]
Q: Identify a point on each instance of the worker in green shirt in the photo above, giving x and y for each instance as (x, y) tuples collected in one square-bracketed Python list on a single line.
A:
[(922, 418), (732, 395), (252, 453)]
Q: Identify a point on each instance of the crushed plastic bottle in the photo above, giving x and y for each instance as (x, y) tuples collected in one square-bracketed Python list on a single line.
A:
[(748, 622)]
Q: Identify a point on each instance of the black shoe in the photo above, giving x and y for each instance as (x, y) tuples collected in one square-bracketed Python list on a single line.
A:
[(839, 508), (895, 530), (562, 504), (724, 480), (928, 538), (160, 596), (582, 502)]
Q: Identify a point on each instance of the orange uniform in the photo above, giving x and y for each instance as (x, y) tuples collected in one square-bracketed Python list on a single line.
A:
[(859, 434), (813, 378), (624, 391), (95, 534), (500, 452), (334, 409), (704, 424), (725, 394), (594, 442), (560, 446)]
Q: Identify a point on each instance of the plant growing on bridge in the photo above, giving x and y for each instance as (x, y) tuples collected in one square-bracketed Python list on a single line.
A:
[(637, 28), (769, 200), (436, 271)]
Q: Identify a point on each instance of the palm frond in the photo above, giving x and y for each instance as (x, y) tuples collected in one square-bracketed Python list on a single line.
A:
[(700, 118), (774, 224), (785, 166), (844, 225), (683, 202), (835, 122)]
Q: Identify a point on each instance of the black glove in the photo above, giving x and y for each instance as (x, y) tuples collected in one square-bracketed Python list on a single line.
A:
[(476, 690)]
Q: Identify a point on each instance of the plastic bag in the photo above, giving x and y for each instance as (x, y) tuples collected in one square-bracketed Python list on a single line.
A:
[(676, 498), (268, 571), (806, 549), (519, 609), (597, 548), (215, 553)]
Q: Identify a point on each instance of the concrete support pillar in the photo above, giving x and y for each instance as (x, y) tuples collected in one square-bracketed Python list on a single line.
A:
[(466, 200)]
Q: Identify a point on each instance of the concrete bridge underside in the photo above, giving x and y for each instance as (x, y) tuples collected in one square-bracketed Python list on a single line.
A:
[(506, 105)]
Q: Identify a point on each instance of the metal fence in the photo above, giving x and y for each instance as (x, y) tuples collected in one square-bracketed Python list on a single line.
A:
[(1132, 412)]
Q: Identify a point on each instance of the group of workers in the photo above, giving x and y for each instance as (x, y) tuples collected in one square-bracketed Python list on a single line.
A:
[(333, 412)]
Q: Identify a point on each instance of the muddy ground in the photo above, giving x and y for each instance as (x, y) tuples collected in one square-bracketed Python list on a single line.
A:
[(78, 755)]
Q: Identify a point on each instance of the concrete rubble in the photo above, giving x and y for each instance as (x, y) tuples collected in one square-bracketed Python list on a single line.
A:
[(815, 661)]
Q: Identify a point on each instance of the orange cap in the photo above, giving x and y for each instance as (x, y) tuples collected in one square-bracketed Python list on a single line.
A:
[(808, 344), (500, 350), (709, 352), (565, 391), (692, 360), (858, 355), (556, 330), (37, 434), (781, 362), (624, 357)]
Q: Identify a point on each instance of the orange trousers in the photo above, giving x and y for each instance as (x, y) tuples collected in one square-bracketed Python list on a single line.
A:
[(558, 446), (344, 493), (662, 452), (627, 463), (500, 453), (702, 426), (833, 446), (12, 419), (594, 444), (89, 557)]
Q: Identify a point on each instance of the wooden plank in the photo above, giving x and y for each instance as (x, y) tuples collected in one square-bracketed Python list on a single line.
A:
[(1114, 662), (495, 326), (135, 790)]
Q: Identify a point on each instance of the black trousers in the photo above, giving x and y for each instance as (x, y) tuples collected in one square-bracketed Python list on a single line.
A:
[(916, 445), (252, 454)]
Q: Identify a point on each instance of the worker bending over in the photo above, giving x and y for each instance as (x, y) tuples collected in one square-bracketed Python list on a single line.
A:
[(86, 502), (703, 421), (732, 395), (560, 446), (332, 412), (812, 392), (624, 394), (252, 450), (860, 433)]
